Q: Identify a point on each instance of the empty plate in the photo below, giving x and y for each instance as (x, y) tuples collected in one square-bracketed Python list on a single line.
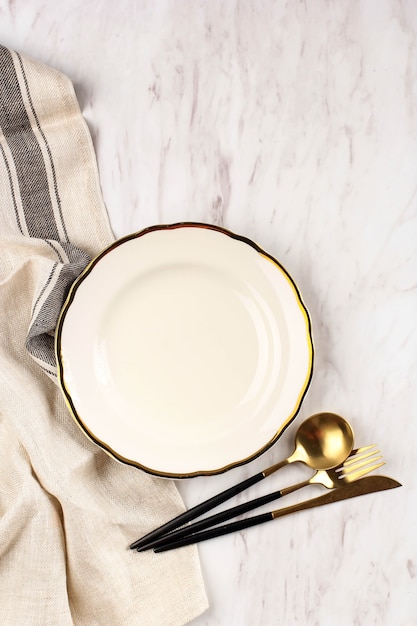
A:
[(184, 350)]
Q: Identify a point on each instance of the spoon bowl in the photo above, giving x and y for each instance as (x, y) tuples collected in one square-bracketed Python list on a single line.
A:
[(323, 441)]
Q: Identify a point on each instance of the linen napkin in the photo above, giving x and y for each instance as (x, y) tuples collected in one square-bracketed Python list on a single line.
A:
[(68, 511)]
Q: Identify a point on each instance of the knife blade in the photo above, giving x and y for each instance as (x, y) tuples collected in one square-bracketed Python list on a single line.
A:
[(361, 487)]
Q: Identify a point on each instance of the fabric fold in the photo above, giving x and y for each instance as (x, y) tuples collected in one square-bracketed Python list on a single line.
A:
[(68, 511), (47, 306)]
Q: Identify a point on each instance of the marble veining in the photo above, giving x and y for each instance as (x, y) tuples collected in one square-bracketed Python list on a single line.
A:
[(293, 123)]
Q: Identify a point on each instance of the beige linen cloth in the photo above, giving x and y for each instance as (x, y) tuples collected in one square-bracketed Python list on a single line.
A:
[(68, 511)]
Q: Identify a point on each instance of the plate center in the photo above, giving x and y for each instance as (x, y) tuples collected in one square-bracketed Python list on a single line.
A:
[(180, 346)]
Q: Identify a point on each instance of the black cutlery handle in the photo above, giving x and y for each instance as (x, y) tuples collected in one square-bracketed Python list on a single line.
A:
[(197, 510), (207, 522), (218, 531)]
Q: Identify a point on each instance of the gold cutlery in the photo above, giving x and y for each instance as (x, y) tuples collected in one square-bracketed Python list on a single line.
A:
[(362, 486), (361, 462), (323, 441)]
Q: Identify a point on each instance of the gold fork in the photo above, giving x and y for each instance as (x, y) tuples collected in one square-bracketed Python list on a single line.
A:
[(359, 463)]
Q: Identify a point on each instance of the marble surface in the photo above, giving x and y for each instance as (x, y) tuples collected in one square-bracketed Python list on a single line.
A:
[(295, 124)]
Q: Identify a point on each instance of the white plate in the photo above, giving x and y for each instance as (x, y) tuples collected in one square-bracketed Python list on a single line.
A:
[(184, 350)]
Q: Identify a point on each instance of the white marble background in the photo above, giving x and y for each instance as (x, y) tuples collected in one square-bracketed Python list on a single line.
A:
[(295, 124)]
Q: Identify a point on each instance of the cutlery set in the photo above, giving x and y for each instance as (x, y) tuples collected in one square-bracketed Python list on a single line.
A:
[(324, 443)]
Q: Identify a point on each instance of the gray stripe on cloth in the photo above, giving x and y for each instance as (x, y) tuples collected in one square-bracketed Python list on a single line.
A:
[(44, 288), (26, 152), (9, 175), (75, 255), (40, 340), (54, 247), (48, 149)]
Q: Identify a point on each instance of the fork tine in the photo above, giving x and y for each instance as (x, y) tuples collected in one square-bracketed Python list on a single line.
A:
[(359, 463), (359, 450), (352, 467), (357, 455), (358, 473)]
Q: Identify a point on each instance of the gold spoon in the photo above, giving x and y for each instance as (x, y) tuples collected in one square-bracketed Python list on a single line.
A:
[(322, 442)]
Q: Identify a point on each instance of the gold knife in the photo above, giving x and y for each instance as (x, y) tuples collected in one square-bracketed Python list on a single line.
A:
[(369, 484)]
